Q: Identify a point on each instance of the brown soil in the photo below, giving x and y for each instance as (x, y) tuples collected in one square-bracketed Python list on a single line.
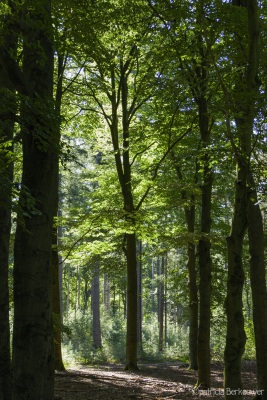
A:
[(172, 381)]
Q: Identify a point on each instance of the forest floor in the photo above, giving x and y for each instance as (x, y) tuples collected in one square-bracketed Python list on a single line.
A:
[(172, 381)]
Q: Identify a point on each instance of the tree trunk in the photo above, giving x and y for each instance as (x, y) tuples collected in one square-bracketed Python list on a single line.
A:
[(199, 88), (247, 89), (235, 336), (139, 294), (106, 293), (153, 307), (57, 233), (59, 365), (161, 301), (204, 245), (193, 291), (8, 108), (97, 343), (258, 286), (255, 223), (131, 337), (33, 348)]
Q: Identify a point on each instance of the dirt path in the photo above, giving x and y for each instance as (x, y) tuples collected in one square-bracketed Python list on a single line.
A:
[(172, 381)]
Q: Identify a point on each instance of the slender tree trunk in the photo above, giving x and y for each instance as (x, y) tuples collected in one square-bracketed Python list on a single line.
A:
[(59, 365), (255, 223), (139, 294), (106, 293), (7, 106), (204, 245), (57, 232), (8, 109), (97, 342), (153, 307), (86, 295), (33, 348), (68, 290), (165, 299), (193, 291), (131, 338), (258, 287), (161, 301)]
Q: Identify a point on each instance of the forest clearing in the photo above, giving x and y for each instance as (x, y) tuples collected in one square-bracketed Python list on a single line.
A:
[(172, 381)]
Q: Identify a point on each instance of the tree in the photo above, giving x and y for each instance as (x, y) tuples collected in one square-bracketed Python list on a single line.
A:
[(97, 343), (8, 109), (33, 371), (120, 81), (247, 214)]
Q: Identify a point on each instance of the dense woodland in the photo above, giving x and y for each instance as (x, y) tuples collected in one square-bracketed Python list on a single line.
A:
[(132, 188)]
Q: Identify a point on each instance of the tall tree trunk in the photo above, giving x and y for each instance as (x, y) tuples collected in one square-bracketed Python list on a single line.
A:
[(57, 231), (165, 299), (235, 336), (255, 223), (33, 347), (258, 286), (193, 291), (153, 307), (249, 213), (107, 293), (204, 243), (97, 342), (139, 294), (131, 336), (161, 301), (204, 285), (123, 166), (59, 365), (199, 88), (8, 108)]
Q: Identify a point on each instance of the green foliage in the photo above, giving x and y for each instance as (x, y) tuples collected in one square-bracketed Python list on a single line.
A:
[(157, 46), (78, 345)]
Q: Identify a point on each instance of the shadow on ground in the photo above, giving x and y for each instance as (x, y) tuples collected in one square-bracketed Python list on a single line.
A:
[(172, 381)]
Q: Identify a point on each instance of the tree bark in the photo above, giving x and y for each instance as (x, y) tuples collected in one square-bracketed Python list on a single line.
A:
[(8, 109), (131, 336), (97, 342), (6, 132), (123, 166), (249, 213), (139, 295), (7, 106), (107, 293), (235, 336), (199, 89), (57, 230), (204, 244), (161, 301), (254, 216), (258, 286), (33, 348), (193, 291), (57, 311)]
